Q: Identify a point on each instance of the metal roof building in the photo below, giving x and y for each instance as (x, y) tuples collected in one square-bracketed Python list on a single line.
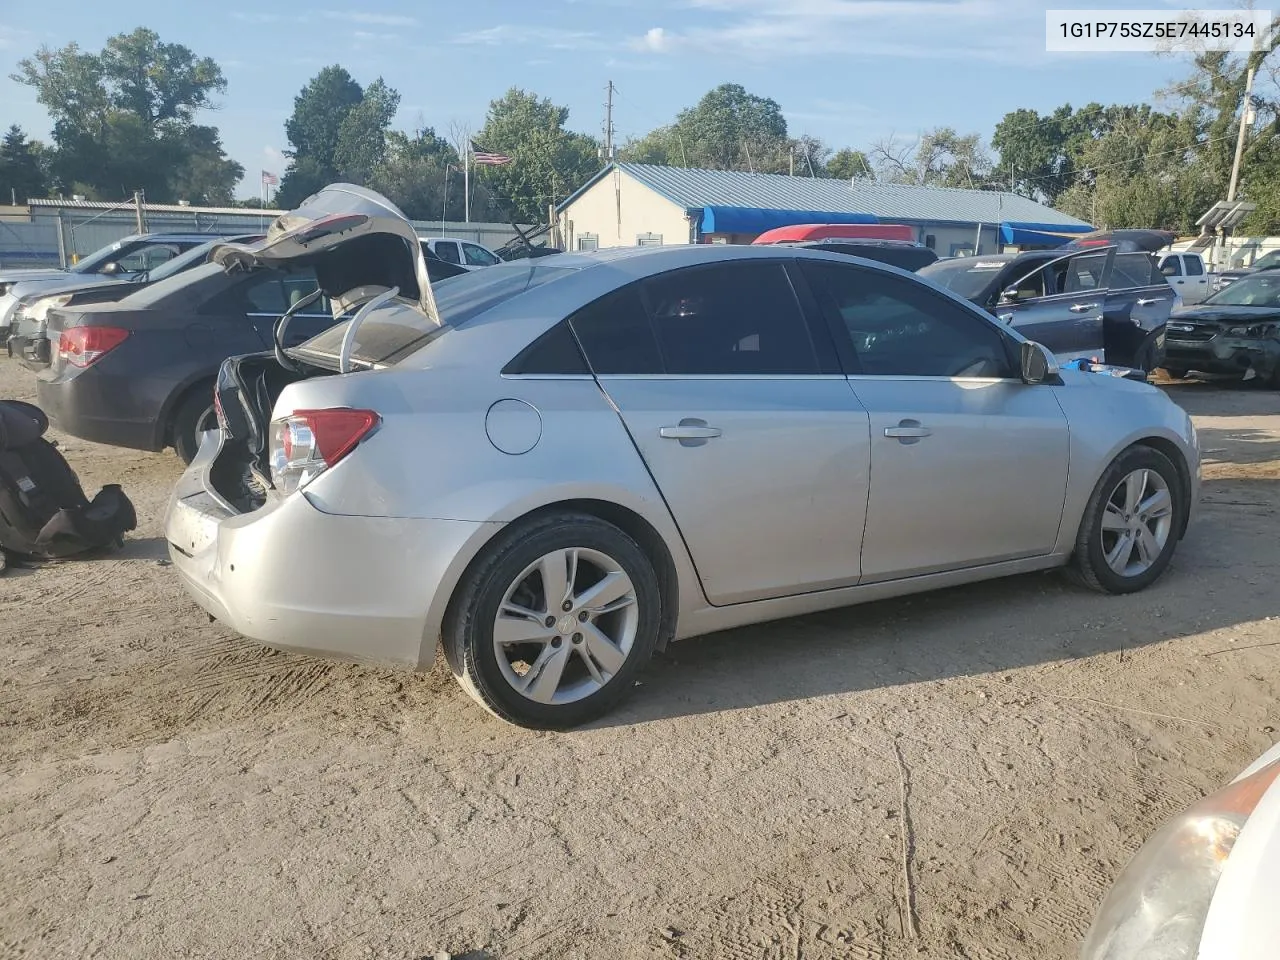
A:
[(630, 203)]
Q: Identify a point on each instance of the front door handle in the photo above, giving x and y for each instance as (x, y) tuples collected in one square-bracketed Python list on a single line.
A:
[(691, 432), (908, 431), (1083, 307), (1148, 302), (1005, 317)]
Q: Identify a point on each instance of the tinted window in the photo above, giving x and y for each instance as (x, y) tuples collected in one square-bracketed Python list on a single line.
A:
[(616, 335), (1195, 267), (1172, 267), (478, 256), (739, 318), (1134, 270), (1082, 273), (447, 250), (555, 352), (148, 257), (901, 328), (265, 295)]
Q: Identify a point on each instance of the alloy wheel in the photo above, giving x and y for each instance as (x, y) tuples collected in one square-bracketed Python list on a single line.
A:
[(566, 625), (1137, 522)]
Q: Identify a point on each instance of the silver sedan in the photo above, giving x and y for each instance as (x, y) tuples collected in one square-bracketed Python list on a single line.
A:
[(555, 466)]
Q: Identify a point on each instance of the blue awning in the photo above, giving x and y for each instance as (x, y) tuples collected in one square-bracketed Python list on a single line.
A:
[(759, 219), (1040, 234)]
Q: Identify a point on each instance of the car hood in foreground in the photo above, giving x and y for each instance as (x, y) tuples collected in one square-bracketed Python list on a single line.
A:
[(1224, 313), (359, 243), (62, 283), (30, 273)]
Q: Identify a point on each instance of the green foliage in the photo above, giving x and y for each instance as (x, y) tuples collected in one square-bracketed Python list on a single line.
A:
[(550, 162), (22, 167), (123, 119), (849, 164)]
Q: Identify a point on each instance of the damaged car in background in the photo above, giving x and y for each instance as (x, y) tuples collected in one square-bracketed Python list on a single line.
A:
[(1236, 331), (553, 467)]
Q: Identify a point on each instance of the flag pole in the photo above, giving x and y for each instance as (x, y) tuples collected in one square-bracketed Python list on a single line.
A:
[(466, 179)]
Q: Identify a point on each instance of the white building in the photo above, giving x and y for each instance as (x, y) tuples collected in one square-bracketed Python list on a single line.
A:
[(629, 204)]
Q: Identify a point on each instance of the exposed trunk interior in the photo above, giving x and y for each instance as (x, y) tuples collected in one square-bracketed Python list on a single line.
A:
[(247, 390)]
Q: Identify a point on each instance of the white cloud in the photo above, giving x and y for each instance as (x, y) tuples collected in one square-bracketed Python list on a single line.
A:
[(552, 37), (916, 29), (656, 40), (367, 36), (276, 161), (377, 19)]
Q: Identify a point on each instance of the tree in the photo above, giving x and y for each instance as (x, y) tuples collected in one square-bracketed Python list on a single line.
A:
[(22, 175), (319, 111), (849, 164), (422, 175), (549, 162), (728, 129), (940, 158), (338, 131), (362, 136), (124, 118)]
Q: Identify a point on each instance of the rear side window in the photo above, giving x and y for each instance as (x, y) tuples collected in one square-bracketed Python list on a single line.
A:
[(730, 319), (1195, 267), (555, 352), (616, 335), (1135, 270)]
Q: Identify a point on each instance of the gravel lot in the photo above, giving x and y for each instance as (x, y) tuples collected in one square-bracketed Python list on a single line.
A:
[(956, 775)]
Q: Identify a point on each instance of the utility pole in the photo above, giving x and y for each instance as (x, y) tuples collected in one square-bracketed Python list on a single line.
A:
[(1011, 185), (138, 196), (791, 153), (1245, 120), (608, 124)]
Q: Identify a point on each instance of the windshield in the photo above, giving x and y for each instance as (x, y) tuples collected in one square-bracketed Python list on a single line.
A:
[(390, 335), (1258, 290), (153, 293), (968, 276), (93, 261), (182, 262), (1272, 259)]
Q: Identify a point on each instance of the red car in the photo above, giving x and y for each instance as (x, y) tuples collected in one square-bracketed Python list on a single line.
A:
[(837, 231)]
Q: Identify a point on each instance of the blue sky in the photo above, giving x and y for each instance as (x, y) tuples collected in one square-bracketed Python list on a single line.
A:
[(848, 71)]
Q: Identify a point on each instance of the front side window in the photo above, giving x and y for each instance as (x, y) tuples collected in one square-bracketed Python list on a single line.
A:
[(899, 327), (1172, 267), (736, 318), (478, 256), (148, 257)]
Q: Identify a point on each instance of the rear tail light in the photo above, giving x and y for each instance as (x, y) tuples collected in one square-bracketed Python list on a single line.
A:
[(85, 346), (309, 442)]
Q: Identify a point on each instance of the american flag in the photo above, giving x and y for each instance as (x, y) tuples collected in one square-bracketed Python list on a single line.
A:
[(269, 179), (483, 158)]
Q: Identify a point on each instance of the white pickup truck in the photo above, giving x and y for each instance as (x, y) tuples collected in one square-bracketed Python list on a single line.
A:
[(1188, 276)]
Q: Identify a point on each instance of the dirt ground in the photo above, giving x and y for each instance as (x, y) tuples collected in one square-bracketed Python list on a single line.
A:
[(955, 775)]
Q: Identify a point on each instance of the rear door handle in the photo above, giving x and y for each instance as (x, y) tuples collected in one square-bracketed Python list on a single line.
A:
[(691, 432), (1083, 307), (908, 431), (1148, 302)]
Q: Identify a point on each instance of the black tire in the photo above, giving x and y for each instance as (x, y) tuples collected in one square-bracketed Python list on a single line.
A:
[(194, 414), (1089, 565), (1175, 373), (469, 624)]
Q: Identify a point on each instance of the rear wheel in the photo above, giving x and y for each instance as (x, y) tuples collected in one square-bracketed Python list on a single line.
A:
[(195, 415), (1145, 359), (551, 627), (1132, 524)]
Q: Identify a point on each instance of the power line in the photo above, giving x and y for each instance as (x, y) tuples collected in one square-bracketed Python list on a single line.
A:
[(1123, 163)]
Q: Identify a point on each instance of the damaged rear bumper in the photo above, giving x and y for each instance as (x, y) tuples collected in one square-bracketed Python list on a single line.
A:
[(295, 578)]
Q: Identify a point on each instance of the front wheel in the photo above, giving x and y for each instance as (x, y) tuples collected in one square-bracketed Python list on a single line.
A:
[(551, 627), (1132, 523)]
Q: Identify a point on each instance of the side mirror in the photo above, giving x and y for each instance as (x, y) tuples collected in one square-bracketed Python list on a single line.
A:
[(1036, 363), (1009, 295), (111, 269)]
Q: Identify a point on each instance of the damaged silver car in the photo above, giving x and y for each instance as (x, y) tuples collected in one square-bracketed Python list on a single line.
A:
[(554, 466)]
